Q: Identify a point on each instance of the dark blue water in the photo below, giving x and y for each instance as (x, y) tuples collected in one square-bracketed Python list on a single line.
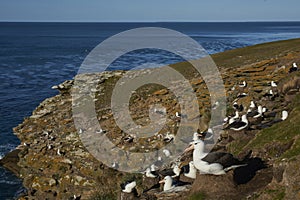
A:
[(35, 56)]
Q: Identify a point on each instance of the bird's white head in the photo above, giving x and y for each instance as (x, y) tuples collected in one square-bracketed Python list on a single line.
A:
[(284, 115), (259, 109), (295, 65), (197, 145), (167, 182), (244, 118), (252, 104)]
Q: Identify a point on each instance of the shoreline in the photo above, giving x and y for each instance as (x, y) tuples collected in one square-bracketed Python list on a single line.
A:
[(229, 61)]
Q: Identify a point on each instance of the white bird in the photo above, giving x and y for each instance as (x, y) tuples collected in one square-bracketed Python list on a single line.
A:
[(233, 119), (239, 125), (252, 105), (179, 115), (128, 187), (76, 197), (176, 171), (273, 84), (225, 120), (236, 115), (151, 174), (216, 163), (45, 133), (100, 131), (190, 170), (128, 139), (153, 167), (241, 95), (58, 152), (243, 84), (169, 137), (196, 136), (170, 184), (115, 165), (285, 115), (295, 65), (167, 152), (269, 94), (264, 109), (259, 112), (238, 107), (215, 105)]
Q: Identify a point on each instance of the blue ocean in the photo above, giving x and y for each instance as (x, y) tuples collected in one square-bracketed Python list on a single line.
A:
[(36, 56)]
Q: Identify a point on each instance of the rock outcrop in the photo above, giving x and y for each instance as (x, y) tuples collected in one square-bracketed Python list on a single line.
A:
[(54, 163)]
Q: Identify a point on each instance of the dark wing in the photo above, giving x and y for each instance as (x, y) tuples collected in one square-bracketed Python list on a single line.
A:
[(270, 114), (252, 114), (180, 183), (186, 169), (268, 124), (155, 173), (166, 172), (225, 159), (237, 124)]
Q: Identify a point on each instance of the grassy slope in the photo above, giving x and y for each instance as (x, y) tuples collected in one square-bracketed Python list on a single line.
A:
[(244, 56), (248, 55), (282, 133)]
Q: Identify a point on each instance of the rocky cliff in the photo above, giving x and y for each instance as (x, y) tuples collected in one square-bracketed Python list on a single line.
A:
[(54, 164)]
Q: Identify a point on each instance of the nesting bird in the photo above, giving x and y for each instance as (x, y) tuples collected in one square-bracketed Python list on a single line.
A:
[(243, 84), (239, 125), (284, 116), (173, 172), (242, 95), (170, 184), (169, 137), (216, 163), (151, 174), (190, 170), (273, 84), (252, 105), (252, 113), (293, 68), (128, 187), (167, 152), (238, 107)]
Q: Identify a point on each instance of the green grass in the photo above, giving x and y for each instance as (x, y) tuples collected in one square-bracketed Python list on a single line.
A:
[(277, 194), (283, 133), (248, 55), (237, 146), (197, 196)]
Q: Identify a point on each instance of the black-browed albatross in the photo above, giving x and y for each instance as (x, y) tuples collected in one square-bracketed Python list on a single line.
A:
[(216, 163)]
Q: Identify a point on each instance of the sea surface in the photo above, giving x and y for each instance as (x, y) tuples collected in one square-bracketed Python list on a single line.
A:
[(36, 56)]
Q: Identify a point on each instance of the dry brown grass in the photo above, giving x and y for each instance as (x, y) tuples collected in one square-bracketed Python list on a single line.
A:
[(293, 83)]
